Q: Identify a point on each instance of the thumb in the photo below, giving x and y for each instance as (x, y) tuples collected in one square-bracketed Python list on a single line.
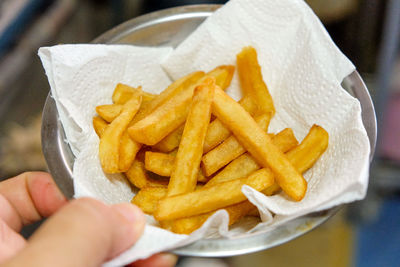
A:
[(85, 232)]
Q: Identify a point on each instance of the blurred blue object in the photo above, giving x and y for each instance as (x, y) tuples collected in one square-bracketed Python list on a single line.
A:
[(23, 16), (378, 243)]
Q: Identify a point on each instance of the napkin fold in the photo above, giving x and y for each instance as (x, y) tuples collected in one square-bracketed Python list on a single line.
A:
[(302, 68)]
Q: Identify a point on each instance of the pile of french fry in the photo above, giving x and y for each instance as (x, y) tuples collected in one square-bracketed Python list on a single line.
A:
[(191, 148)]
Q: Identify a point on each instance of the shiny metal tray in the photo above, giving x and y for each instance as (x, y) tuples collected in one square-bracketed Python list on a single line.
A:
[(169, 28)]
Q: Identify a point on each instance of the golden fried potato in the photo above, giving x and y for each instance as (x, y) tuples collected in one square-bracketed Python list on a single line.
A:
[(127, 152), (259, 145), (252, 82), (187, 163), (245, 164), (147, 198), (211, 198), (122, 93), (138, 177), (171, 91), (110, 141), (229, 149), (171, 114), (217, 132), (109, 112), (190, 224), (99, 125), (171, 141), (162, 164)]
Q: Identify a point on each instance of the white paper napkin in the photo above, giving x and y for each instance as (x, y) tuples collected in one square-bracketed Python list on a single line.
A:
[(301, 66)]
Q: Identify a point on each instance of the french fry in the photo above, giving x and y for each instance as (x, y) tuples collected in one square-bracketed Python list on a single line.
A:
[(127, 152), (162, 164), (110, 140), (99, 125), (248, 104), (138, 177), (217, 132), (239, 168), (272, 190), (162, 121), (171, 141), (310, 149), (148, 197), (190, 224), (169, 115), (171, 91), (159, 163), (201, 177), (173, 152), (259, 145), (229, 149), (251, 80), (109, 112), (223, 75), (245, 164), (144, 135), (187, 163), (122, 93), (253, 212), (302, 157), (128, 148), (211, 198), (147, 97), (285, 140)]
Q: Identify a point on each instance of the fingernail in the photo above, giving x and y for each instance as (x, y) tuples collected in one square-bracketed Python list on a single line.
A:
[(132, 213), (169, 259)]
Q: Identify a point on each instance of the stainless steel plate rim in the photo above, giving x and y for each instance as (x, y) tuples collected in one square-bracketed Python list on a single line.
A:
[(60, 158)]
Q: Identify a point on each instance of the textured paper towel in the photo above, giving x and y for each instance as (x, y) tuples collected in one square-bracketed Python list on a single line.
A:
[(82, 77), (303, 70)]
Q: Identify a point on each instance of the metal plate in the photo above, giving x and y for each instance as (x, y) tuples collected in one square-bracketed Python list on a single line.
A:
[(169, 28)]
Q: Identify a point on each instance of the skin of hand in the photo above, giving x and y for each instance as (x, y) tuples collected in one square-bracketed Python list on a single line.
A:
[(82, 232)]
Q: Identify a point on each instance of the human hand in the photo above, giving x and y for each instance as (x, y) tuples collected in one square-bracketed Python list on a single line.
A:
[(84, 232)]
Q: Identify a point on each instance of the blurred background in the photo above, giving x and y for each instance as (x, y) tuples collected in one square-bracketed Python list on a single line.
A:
[(366, 233)]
